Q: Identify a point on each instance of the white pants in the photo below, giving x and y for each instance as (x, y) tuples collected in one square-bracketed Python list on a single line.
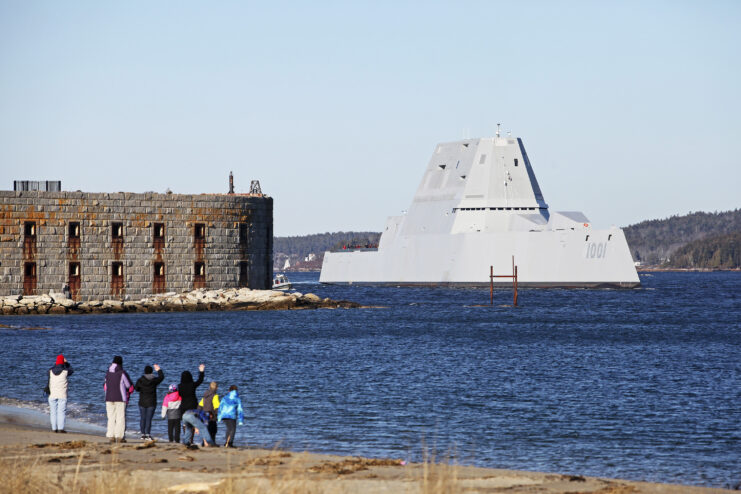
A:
[(116, 411)]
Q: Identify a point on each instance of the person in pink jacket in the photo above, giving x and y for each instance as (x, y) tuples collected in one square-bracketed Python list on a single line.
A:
[(171, 410)]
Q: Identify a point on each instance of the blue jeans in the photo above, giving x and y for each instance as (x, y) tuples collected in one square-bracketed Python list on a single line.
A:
[(191, 421), (145, 422), (57, 411)]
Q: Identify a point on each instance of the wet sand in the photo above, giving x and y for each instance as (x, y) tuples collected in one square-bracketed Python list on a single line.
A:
[(34, 459)]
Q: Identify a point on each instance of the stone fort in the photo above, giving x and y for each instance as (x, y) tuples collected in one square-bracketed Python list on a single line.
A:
[(130, 245)]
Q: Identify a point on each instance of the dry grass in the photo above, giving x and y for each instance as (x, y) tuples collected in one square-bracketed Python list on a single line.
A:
[(278, 472)]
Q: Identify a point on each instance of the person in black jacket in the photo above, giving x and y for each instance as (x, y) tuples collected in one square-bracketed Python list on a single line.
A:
[(147, 388), (189, 405)]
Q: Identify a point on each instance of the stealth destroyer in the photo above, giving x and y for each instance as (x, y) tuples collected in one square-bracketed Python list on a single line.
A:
[(478, 205)]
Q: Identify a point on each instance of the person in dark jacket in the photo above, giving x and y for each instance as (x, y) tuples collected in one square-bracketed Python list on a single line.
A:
[(189, 406), (147, 388), (56, 388), (118, 388)]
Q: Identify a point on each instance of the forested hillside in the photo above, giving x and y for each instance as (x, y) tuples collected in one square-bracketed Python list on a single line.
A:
[(655, 241), (717, 252)]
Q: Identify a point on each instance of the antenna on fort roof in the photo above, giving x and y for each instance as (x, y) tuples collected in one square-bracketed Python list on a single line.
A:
[(498, 125), (231, 183), (255, 187)]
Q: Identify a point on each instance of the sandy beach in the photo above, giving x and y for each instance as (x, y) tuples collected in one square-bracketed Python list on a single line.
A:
[(34, 459)]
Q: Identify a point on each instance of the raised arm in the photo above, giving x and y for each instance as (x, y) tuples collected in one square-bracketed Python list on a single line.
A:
[(201, 375), (160, 375)]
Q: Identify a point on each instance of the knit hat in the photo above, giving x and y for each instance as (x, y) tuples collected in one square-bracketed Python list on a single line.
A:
[(172, 388), (60, 359)]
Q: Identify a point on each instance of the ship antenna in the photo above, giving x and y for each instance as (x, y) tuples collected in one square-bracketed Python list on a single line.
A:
[(498, 125)]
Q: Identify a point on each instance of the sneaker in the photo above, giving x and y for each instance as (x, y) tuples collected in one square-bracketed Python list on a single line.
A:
[(144, 437), (62, 431)]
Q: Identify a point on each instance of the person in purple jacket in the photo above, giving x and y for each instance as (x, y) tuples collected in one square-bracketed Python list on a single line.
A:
[(118, 387)]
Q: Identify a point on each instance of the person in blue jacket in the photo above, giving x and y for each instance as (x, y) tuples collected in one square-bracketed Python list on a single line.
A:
[(230, 410)]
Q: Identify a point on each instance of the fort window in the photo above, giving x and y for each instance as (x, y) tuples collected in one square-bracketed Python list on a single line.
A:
[(73, 237), (29, 269), (73, 280), (29, 229), (117, 239), (158, 284), (117, 278), (29, 240), (199, 275), (29, 278), (158, 236), (244, 274), (199, 239)]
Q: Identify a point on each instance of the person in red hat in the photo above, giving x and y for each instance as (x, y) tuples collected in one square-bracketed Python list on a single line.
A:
[(56, 387)]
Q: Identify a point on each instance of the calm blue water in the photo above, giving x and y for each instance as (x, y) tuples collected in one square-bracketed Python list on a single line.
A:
[(641, 384)]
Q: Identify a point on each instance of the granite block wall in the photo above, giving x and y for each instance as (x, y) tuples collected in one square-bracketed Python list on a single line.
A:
[(127, 245)]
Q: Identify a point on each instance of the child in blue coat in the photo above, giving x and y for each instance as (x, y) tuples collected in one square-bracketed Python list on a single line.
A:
[(230, 410)]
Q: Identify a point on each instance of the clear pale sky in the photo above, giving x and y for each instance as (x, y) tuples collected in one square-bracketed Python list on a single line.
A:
[(628, 110)]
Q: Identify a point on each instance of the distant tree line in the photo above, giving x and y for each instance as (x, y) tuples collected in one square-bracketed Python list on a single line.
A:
[(302, 246), (718, 252), (656, 241)]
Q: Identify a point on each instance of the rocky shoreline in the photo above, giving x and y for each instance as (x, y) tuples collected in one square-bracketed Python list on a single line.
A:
[(196, 300)]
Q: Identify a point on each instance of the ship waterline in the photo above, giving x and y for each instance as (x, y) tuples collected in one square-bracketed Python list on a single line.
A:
[(479, 206)]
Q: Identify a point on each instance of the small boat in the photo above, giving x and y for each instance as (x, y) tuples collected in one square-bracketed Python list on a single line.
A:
[(281, 282)]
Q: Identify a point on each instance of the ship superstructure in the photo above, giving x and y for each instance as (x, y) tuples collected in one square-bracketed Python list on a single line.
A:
[(478, 205)]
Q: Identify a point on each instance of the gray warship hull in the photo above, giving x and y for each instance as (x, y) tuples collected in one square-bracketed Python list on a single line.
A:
[(479, 206)]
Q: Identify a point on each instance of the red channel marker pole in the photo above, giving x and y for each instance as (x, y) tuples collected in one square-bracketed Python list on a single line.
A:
[(491, 285)]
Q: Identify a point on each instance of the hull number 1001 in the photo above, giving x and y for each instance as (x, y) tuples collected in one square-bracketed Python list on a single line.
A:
[(596, 250)]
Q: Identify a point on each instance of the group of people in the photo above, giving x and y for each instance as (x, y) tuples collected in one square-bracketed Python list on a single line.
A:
[(180, 405)]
